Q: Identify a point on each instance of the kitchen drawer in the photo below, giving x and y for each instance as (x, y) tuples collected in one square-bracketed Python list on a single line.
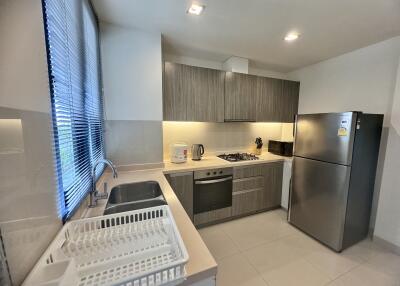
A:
[(249, 201), (212, 216), (248, 171), (248, 183)]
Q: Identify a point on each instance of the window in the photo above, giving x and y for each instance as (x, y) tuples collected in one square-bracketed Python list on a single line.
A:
[(75, 90)]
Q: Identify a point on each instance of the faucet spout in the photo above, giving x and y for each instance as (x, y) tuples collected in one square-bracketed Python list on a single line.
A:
[(94, 194)]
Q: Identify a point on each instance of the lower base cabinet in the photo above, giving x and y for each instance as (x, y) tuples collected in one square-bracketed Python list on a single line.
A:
[(248, 201), (256, 188), (182, 184)]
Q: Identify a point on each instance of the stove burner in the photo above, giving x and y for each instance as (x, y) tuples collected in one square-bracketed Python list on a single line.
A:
[(238, 157)]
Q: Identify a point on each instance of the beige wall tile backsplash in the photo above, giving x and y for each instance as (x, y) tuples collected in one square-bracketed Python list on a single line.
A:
[(223, 137)]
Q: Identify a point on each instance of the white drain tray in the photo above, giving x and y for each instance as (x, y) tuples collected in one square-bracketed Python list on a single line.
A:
[(136, 248)]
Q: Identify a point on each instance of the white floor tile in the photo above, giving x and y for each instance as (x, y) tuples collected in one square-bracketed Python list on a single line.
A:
[(236, 271), (297, 273), (333, 264), (265, 250), (219, 244), (365, 275), (272, 255)]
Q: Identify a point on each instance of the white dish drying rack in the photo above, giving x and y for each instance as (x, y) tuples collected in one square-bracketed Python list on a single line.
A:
[(135, 248)]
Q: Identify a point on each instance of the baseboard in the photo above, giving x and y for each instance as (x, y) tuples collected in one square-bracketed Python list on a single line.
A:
[(387, 244)]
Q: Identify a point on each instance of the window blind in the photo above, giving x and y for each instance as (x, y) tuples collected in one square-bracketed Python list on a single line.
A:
[(74, 72)]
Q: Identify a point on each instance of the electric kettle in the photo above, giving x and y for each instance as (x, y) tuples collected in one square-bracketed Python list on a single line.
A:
[(197, 151)]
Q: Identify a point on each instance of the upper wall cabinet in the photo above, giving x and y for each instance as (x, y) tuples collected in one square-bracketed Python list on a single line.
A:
[(193, 93), (277, 100), (269, 99), (290, 100), (201, 94), (240, 97)]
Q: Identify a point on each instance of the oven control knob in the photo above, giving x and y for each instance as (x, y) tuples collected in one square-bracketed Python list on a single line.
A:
[(208, 173), (215, 173), (220, 172)]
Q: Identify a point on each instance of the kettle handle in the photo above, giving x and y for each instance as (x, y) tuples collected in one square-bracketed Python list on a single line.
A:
[(201, 150)]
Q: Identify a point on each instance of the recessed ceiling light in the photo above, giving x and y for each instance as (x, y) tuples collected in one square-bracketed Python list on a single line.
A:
[(196, 9), (291, 37)]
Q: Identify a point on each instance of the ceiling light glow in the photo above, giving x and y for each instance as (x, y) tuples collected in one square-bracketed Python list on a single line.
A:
[(196, 9), (291, 37)]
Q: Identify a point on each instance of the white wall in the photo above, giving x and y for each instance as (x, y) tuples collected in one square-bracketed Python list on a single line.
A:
[(132, 79), (363, 80), (29, 218), (388, 216), (22, 45), (219, 65), (360, 80), (132, 73), (219, 138)]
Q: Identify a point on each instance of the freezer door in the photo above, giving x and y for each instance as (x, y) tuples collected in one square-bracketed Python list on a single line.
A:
[(318, 199), (326, 137)]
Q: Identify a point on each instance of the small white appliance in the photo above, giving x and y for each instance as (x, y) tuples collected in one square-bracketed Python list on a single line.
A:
[(179, 152)]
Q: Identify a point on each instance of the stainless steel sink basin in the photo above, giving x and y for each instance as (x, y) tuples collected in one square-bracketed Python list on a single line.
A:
[(134, 192), (119, 208), (134, 196)]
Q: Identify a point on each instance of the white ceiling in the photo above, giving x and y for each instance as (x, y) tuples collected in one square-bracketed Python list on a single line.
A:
[(254, 29)]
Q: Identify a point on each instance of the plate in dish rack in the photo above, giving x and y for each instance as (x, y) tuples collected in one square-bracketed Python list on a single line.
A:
[(138, 248)]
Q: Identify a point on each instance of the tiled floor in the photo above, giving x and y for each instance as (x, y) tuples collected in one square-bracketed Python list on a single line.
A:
[(264, 250)]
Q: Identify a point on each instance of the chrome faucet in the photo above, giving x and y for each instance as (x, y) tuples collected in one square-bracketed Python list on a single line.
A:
[(94, 194)]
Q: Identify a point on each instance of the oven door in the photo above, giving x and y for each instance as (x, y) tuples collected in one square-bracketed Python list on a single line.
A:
[(212, 194)]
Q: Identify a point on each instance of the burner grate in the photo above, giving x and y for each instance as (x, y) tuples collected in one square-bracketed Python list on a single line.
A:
[(235, 157)]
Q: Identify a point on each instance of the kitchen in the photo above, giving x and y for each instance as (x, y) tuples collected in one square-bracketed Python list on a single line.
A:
[(164, 79)]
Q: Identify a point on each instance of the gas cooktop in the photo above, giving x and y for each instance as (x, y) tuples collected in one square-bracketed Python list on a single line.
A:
[(238, 157)]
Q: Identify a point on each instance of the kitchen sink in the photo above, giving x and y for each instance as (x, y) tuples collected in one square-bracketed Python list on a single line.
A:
[(119, 208), (134, 192), (134, 196)]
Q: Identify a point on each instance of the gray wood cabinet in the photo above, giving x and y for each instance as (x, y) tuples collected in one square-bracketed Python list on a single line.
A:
[(256, 187), (201, 94), (290, 100), (269, 102), (182, 184), (277, 100), (174, 96), (193, 93), (240, 97), (273, 176)]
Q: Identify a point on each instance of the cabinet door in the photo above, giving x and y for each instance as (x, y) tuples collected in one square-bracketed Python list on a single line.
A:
[(204, 89), (248, 171), (273, 176), (269, 99), (174, 95), (240, 97), (249, 201), (290, 100), (193, 93), (182, 184)]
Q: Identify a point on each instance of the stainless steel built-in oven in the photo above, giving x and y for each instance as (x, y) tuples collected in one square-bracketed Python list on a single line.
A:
[(212, 190)]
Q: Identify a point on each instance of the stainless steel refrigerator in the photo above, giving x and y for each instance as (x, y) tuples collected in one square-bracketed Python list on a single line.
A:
[(333, 175)]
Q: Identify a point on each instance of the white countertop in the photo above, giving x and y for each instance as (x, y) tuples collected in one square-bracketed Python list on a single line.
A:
[(215, 162), (201, 263)]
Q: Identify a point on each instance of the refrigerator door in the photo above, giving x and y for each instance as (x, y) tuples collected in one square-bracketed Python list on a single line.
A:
[(326, 137), (318, 199)]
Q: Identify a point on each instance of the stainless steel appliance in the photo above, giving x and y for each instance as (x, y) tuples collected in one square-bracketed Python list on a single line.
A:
[(212, 190), (197, 152), (235, 157), (333, 175)]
